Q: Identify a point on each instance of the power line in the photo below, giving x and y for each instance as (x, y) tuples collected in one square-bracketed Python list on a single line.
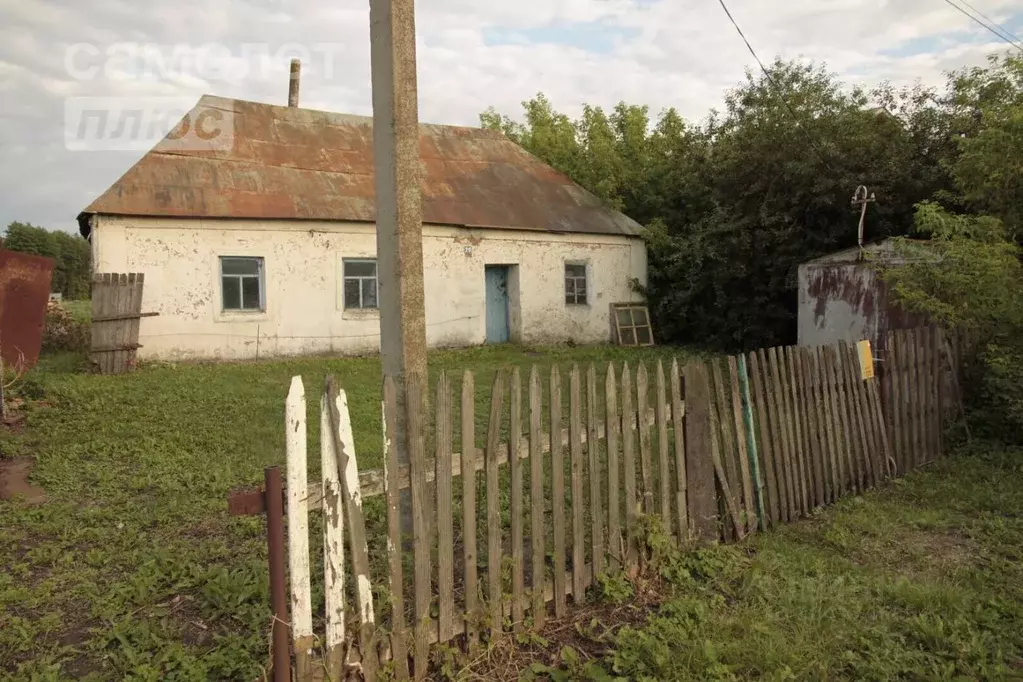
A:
[(770, 78), (1001, 29), (989, 24)]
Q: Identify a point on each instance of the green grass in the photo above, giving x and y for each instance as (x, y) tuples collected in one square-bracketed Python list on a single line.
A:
[(80, 310), (920, 580), (133, 568)]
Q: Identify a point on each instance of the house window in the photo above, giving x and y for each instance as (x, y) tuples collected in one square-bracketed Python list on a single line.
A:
[(360, 284), (241, 284), (575, 284)]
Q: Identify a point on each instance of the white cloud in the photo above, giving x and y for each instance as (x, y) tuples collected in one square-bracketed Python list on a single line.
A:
[(681, 53)]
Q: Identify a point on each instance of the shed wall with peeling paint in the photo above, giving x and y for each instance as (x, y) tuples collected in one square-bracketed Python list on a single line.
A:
[(304, 310), (843, 298)]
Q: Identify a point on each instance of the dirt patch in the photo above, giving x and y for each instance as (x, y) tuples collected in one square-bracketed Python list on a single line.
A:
[(14, 481), (589, 630), (940, 552)]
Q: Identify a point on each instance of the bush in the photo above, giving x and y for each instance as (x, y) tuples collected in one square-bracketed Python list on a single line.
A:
[(997, 410), (968, 276), (63, 332)]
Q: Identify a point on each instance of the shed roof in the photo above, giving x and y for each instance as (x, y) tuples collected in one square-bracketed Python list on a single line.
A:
[(299, 164), (883, 250)]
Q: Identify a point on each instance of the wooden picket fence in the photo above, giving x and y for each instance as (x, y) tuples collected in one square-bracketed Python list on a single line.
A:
[(545, 502), (116, 316)]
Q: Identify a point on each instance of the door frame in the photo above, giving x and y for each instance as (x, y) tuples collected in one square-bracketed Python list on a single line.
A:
[(513, 321)]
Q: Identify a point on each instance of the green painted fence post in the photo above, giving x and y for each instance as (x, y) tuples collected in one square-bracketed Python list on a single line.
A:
[(751, 439)]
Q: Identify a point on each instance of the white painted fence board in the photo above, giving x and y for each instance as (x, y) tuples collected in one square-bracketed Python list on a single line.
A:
[(333, 545), (298, 521)]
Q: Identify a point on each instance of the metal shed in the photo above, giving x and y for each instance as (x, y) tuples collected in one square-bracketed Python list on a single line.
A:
[(843, 298)]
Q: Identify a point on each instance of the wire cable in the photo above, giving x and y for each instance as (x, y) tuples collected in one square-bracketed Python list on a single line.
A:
[(774, 83), (989, 24), (1008, 34)]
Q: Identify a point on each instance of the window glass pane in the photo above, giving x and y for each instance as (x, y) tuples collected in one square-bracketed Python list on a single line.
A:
[(369, 293), (625, 317), (580, 292), (569, 287), (639, 315), (628, 337), (352, 293), (575, 271), (232, 293), (360, 268), (239, 266), (250, 293), (643, 335)]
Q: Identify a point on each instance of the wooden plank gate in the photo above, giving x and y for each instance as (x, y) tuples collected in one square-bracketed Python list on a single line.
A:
[(116, 314), (547, 500)]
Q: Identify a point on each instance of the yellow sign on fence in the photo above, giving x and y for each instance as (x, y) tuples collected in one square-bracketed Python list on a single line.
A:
[(866, 360)]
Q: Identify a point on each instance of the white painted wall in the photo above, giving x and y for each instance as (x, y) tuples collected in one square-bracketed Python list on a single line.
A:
[(304, 306)]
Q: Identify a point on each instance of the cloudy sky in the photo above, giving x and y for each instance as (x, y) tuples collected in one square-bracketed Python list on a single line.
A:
[(472, 54)]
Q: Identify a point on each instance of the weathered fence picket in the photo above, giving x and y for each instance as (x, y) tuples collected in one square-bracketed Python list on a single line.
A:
[(399, 644), (575, 426), (629, 460), (537, 529), (613, 426), (558, 494), (445, 520), (469, 550), (739, 445), (664, 473), (514, 436), (494, 508), (116, 317), (678, 417), (596, 505)]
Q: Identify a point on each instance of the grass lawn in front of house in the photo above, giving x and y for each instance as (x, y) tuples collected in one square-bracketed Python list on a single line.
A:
[(132, 568)]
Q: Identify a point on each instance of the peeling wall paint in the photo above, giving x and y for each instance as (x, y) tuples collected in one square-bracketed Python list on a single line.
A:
[(303, 282), (846, 301)]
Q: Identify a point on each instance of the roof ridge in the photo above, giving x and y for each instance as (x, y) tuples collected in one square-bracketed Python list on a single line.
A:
[(361, 118)]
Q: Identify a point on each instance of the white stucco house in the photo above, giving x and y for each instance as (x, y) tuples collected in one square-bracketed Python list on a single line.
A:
[(266, 246)]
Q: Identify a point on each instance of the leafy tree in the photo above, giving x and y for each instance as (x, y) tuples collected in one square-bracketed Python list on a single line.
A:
[(72, 254), (966, 274), (971, 276), (735, 204), (989, 171)]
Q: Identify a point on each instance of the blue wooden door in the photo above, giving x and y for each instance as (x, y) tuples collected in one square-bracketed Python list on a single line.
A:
[(497, 303)]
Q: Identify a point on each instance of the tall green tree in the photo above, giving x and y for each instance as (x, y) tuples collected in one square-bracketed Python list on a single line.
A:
[(735, 204), (73, 256)]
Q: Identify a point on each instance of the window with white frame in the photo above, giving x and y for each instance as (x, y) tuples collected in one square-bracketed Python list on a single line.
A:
[(360, 283), (575, 284), (241, 284)]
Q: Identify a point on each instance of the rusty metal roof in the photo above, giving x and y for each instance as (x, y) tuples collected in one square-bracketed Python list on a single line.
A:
[(299, 164)]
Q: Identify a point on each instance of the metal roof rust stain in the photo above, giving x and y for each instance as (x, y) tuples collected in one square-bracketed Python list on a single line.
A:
[(298, 164)]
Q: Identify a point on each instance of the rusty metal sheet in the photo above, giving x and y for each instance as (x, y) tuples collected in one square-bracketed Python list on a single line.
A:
[(298, 164), (842, 298), (24, 294)]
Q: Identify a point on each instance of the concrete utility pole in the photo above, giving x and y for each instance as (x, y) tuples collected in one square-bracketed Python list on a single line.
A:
[(399, 204)]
